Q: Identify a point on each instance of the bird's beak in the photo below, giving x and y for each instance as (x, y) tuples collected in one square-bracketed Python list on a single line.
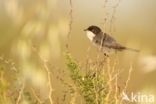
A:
[(85, 29)]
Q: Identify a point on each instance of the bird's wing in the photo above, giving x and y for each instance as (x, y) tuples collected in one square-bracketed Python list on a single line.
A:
[(106, 40), (110, 42)]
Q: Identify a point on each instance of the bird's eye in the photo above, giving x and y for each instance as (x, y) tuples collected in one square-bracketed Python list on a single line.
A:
[(94, 30)]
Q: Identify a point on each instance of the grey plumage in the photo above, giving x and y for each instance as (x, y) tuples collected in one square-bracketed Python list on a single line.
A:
[(105, 41)]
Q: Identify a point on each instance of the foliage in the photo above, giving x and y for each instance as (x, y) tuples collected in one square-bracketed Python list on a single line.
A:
[(92, 85)]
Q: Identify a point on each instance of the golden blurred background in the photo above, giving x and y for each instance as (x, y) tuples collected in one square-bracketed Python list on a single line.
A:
[(31, 30)]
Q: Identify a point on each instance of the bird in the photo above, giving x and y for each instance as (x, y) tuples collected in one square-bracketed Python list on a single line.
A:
[(104, 41)]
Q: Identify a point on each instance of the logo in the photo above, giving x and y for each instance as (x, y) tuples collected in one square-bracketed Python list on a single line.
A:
[(138, 97)]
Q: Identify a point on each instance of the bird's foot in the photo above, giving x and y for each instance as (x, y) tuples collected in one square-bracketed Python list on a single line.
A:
[(106, 55)]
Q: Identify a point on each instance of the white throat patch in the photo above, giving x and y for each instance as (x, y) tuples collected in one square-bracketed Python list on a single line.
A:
[(90, 35)]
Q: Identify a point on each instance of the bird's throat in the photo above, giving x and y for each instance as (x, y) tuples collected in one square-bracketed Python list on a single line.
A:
[(90, 35)]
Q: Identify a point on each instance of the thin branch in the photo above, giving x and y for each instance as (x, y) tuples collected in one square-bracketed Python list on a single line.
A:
[(109, 81), (116, 88), (70, 22), (105, 18), (44, 62), (113, 15), (73, 97), (20, 93), (128, 79), (35, 95), (49, 82)]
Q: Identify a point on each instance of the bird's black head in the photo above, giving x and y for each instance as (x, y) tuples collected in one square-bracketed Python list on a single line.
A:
[(96, 30)]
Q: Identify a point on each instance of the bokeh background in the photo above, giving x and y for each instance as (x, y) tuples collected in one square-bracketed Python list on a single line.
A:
[(31, 30)]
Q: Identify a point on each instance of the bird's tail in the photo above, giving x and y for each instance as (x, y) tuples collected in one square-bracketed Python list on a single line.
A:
[(131, 49)]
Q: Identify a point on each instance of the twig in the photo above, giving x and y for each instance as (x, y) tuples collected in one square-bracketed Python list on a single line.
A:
[(70, 22), (48, 74), (20, 93), (113, 15), (49, 82), (95, 90), (109, 81), (105, 18), (73, 99), (35, 95), (116, 88), (129, 77), (126, 84)]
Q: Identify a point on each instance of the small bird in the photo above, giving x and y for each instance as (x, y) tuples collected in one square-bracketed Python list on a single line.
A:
[(104, 41)]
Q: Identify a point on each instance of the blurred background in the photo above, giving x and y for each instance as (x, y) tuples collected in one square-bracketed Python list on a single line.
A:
[(31, 30)]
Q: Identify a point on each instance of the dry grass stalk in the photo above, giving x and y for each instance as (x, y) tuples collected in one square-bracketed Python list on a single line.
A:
[(36, 96), (109, 81), (44, 62), (116, 90), (49, 82), (127, 82), (128, 79), (70, 22), (112, 20), (73, 96), (20, 93)]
